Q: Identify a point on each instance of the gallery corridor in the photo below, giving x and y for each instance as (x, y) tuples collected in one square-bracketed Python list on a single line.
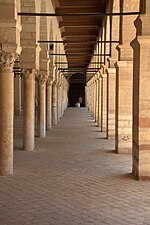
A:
[(73, 177)]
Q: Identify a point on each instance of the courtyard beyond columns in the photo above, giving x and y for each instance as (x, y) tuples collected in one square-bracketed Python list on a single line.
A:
[(73, 177)]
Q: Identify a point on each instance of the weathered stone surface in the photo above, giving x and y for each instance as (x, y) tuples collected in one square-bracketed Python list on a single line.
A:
[(124, 79), (111, 91), (6, 112), (141, 101), (28, 109)]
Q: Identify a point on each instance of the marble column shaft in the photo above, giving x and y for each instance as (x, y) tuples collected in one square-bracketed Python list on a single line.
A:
[(42, 106), (29, 109), (17, 95), (49, 105), (6, 112), (54, 104)]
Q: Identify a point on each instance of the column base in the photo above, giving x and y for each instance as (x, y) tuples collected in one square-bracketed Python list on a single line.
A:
[(124, 151), (141, 165), (111, 137)]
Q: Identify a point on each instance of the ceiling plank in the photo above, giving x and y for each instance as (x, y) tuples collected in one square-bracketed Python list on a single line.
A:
[(80, 9), (82, 2), (93, 33), (75, 23), (74, 29)]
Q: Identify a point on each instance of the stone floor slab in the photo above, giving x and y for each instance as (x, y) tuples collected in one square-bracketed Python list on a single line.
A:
[(73, 177)]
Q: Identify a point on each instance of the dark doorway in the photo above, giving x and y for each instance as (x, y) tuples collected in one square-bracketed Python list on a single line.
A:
[(77, 90)]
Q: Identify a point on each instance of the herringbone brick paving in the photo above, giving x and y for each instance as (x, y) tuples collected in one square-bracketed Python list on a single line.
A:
[(73, 178)]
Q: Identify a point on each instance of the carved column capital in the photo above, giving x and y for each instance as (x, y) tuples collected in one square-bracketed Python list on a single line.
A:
[(29, 73), (54, 83), (7, 61), (42, 79), (49, 82)]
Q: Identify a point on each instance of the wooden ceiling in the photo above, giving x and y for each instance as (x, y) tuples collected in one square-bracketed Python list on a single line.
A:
[(79, 28)]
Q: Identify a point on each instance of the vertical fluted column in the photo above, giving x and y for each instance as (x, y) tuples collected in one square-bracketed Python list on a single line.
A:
[(6, 112), (28, 108), (42, 106), (54, 103), (49, 104)]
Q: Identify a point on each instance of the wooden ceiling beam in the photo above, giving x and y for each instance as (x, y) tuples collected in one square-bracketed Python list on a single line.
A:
[(80, 9), (94, 29), (82, 38), (74, 29), (83, 3), (78, 51), (78, 48), (87, 24), (80, 30), (79, 33), (74, 59), (78, 19)]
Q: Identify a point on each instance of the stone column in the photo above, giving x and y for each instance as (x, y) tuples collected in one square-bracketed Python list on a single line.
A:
[(42, 106), (17, 95), (6, 112), (111, 94), (141, 98), (100, 103), (94, 98), (49, 104), (66, 97), (86, 101), (97, 100), (91, 91), (124, 77), (62, 102), (124, 80), (104, 102), (28, 108), (54, 104), (89, 96), (59, 98)]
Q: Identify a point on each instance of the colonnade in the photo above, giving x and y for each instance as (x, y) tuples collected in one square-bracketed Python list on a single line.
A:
[(50, 107), (30, 83), (117, 95), (120, 105)]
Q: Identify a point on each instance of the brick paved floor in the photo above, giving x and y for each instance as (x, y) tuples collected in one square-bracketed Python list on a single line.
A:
[(73, 178)]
